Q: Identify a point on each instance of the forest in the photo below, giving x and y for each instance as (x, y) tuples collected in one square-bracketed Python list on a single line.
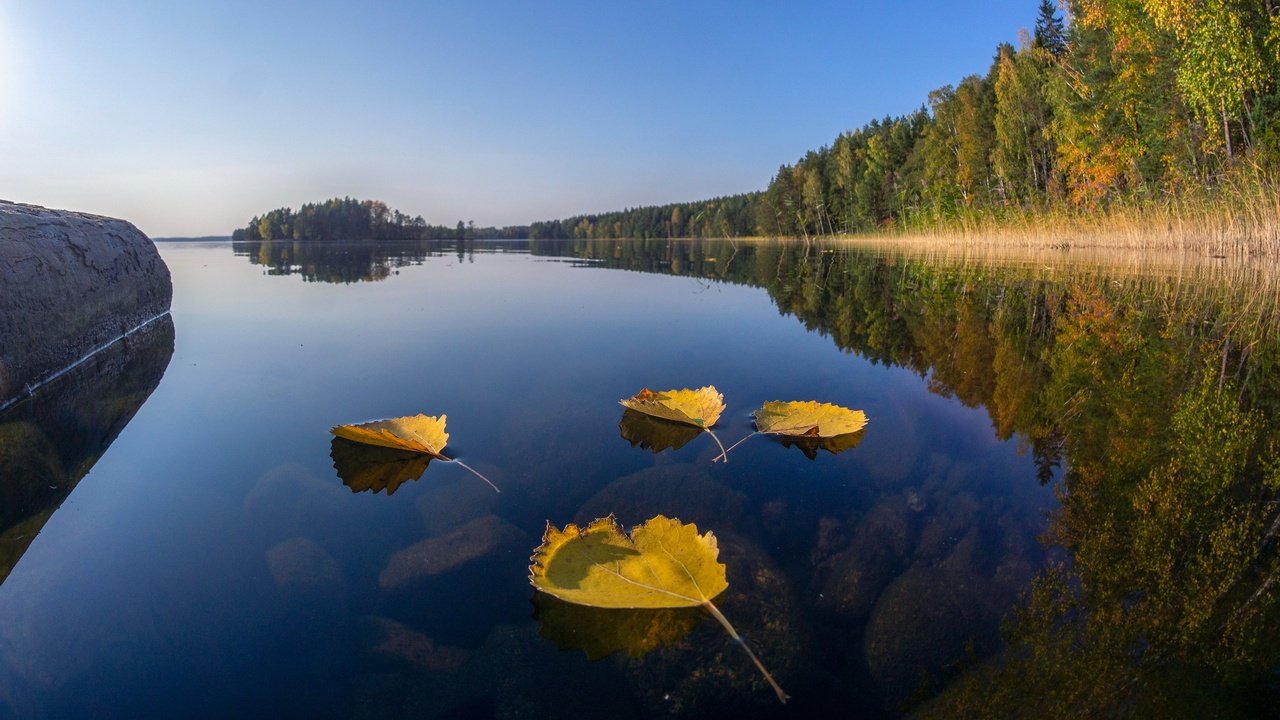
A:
[(1104, 104), (734, 215), (1124, 101)]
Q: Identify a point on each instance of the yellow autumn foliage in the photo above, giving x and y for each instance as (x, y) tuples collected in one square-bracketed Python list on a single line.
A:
[(416, 433), (808, 418), (662, 564), (700, 408)]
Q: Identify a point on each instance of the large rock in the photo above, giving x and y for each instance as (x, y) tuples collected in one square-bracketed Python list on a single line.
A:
[(72, 283)]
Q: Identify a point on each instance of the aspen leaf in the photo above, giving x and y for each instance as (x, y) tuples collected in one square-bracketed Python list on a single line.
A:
[(700, 408), (662, 564), (808, 424), (416, 433), (419, 433), (808, 418)]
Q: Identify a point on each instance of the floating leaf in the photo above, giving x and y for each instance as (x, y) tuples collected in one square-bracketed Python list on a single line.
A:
[(819, 425), (653, 433), (662, 564), (808, 418), (700, 408), (372, 468), (416, 433), (600, 632)]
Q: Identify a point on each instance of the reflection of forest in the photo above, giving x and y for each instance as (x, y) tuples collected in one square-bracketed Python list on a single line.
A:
[(356, 260), (51, 440), (1158, 394)]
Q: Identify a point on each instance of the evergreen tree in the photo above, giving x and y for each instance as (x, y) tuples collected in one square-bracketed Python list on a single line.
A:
[(1050, 33)]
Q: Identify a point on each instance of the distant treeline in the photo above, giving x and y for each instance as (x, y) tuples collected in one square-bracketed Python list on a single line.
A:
[(718, 217), (350, 219), (1137, 101)]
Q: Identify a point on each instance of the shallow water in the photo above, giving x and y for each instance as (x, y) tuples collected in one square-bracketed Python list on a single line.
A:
[(212, 562)]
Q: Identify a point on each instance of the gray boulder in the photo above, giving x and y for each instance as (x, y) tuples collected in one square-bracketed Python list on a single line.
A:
[(71, 283)]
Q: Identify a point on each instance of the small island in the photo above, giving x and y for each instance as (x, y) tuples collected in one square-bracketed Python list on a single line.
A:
[(351, 219)]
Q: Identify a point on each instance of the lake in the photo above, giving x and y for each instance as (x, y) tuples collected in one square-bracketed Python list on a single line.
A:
[(1064, 501)]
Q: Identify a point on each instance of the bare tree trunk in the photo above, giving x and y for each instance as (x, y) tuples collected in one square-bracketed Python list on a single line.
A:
[(1226, 132)]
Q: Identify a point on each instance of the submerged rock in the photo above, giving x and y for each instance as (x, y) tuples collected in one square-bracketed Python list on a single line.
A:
[(437, 555), (301, 565), (400, 645), (686, 492)]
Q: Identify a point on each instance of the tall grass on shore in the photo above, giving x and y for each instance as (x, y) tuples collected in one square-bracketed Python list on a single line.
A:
[(1239, 216)]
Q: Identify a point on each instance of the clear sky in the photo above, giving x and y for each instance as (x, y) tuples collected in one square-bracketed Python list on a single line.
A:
[(188, 118)]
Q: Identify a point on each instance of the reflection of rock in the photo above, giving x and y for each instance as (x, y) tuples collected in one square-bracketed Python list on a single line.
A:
[(677, 491), (367, 467), (30, 466), (651, 433), (72, 283), (300, 565), (392, 642), (51, 440), (476, 539), (600, 632)]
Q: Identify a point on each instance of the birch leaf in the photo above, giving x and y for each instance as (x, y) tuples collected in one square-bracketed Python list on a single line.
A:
[(700, 408), (808, 419), (416, 433), (663, 564)]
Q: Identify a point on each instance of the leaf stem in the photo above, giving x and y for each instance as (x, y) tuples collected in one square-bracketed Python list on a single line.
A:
[(725, 454), (722, 450), (475, 472), (715, 613)]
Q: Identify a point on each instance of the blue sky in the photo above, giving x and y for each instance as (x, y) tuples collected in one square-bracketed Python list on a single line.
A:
[(188, 118)]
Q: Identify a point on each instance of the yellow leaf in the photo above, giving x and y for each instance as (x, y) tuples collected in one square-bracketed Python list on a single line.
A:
[(663, 564), (417, 433), (808, 419), (700, 408)]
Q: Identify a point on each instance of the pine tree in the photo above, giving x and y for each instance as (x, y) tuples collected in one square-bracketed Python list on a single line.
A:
[(1050, 33)]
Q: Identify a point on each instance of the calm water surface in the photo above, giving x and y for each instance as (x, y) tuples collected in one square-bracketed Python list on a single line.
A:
[(213, 563)]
